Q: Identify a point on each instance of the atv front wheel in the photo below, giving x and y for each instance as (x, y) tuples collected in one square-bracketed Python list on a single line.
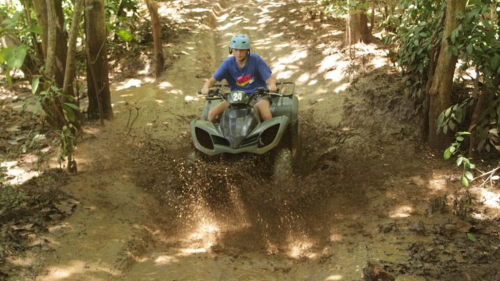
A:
[(283, 165)]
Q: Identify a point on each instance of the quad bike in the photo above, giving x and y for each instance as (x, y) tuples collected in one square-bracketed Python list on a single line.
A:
[(240, 129)]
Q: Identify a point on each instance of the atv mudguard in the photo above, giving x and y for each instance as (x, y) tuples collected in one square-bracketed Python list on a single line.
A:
[(209, 139)]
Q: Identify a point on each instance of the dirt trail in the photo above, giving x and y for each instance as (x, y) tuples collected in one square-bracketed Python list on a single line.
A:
[(361, 192)]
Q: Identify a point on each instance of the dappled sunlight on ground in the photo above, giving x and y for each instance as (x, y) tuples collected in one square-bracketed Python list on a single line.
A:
[(335, 236), (438, 182), (163, 260), (18, 174), (334, 278), (490, 199), (75, 268), (189, 98), (402, 212), (22, 262)]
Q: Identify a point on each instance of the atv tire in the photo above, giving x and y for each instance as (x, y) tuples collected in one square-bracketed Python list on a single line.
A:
[(283, 165)]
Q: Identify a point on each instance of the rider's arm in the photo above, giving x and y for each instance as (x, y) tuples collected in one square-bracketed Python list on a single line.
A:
[(271, 84), (210, 82)]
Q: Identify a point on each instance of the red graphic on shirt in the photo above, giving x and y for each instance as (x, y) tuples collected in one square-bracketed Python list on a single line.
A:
[(244, 80)]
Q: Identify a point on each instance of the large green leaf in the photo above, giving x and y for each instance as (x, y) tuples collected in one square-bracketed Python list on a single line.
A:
[(447, 153), (14, 56), (124, 35), (469, 49), (440, 119), (459, 115), (469, 175), (35, 29), (464, 182), (10, 23), (452, 126), (2, 55), (72, 105), (494, 61), (447, 112), (34, 84)]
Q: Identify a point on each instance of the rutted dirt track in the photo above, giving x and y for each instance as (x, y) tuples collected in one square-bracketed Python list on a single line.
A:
[(365, 190)]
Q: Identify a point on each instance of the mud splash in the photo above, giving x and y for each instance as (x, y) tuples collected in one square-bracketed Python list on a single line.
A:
[(234, 194)]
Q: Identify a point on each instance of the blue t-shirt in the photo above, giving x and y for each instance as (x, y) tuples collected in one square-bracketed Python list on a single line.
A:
[(249, 78)]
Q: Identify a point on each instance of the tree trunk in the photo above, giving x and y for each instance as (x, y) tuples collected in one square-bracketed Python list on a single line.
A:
[(51, 43), (372, 18), (52, 106), (61, 47), (97, 61), (69, 74), (156, 27), (433, 56), (357, 28), (41, 15), (36, 45), (70, 68), (54, 48), (441, 88), (480, 105)]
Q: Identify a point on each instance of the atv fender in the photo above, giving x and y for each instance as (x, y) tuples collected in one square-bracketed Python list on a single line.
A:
[(208, 138)]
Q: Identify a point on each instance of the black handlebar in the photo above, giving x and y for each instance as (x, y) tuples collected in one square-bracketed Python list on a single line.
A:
[(216, 92)]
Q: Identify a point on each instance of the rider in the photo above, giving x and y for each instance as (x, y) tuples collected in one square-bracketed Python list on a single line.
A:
[(243, 71)]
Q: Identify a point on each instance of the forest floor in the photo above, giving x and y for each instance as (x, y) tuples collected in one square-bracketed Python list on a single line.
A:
[(367, 197)]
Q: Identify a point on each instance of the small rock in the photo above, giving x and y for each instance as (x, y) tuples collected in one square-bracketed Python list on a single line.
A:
[(374, 272), (418, 227), (390, 227)]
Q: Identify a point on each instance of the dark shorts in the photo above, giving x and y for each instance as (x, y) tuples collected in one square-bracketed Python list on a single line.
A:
[(255, 99)]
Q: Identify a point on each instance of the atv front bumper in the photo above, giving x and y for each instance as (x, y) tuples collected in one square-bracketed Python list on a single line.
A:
[(209, 139)]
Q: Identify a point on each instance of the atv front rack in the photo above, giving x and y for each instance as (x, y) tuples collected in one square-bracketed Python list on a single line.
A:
[(284, 89)]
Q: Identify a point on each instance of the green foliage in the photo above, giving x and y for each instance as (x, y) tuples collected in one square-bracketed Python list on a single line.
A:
[(465, 162), (15, 23), (453, 116), (124, 35), (475, 42), (471, 237), (12, 58), (50, 98), (336, 8), (340, 8), (67, 144), (13, 26), (417, 30), (121, 25)]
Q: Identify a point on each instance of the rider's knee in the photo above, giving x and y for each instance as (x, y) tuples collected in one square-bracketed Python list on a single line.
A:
[(211, 115), (265, 115)]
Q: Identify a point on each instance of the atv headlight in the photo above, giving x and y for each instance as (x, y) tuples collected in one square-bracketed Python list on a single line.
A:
[(269, 135), (204, 138)]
